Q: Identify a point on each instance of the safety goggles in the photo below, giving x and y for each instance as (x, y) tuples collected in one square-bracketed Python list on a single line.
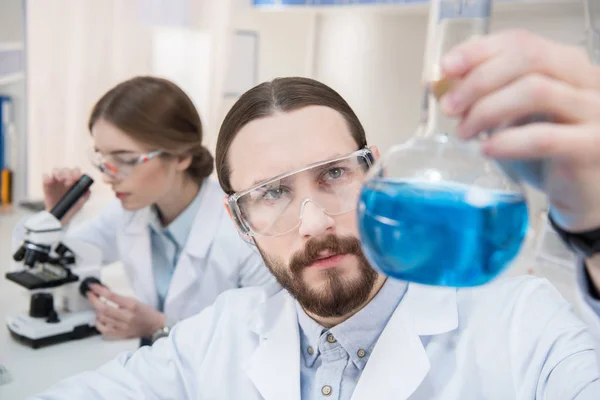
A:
[(275, 207), (119, 165)]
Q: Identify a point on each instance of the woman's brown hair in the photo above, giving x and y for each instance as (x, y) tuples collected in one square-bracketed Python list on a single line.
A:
[(158, 113)]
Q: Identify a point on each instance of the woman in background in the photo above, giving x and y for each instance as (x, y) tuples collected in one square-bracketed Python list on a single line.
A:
[(168, 225)]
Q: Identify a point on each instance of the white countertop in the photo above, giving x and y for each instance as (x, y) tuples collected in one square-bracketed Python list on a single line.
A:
[(35, 370)]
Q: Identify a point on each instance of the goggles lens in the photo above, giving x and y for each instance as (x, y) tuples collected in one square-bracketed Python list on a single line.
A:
[(275, 207)]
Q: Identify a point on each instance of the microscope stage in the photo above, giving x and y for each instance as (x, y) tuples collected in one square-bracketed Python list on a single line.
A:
[(31, 281)]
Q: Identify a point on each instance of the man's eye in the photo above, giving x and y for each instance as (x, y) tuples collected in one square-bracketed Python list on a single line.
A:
[(334, 173), (273, 194)]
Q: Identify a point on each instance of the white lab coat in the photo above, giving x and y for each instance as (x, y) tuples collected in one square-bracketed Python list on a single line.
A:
[(214, 259), (513, 339)]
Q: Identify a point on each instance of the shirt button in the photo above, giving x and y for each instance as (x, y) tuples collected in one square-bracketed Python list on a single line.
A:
[(361, 353), (326, 390), (310, 350), (331, 339)]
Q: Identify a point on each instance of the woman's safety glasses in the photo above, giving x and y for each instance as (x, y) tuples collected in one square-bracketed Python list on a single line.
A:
[(275, 207), (120, 165)]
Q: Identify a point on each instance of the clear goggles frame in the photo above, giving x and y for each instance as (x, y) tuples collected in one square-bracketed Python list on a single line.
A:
[(275, 207), (119, 166)]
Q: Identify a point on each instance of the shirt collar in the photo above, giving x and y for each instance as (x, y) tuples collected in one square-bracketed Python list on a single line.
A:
[(358, 334), (310, 333), (180, 228)]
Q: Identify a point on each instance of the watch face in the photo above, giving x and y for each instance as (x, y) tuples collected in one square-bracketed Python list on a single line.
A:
[(161, 333)]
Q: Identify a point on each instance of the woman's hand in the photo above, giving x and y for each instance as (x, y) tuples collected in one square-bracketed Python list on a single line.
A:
[(126, 317)]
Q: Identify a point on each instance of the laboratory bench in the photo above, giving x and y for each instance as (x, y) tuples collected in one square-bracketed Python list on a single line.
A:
[(32, 370)]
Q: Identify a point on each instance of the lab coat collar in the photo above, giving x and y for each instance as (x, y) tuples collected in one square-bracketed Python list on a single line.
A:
[(204, 230), (434, 309), (399, 362), (137, 238), (274, 368), (396, 367), (205, 224)]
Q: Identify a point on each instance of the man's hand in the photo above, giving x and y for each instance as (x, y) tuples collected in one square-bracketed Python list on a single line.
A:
[(507, 76), (126, 317)]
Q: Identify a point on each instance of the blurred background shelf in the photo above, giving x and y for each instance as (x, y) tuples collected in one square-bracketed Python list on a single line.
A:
[(11, 78), (12, 62), (396, 7), (13, 85)]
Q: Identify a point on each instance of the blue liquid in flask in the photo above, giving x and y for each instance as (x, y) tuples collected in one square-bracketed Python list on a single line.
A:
[(443, 234)]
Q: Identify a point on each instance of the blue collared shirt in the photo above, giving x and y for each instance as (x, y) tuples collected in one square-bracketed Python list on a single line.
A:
[(333, 359), (167, 244)]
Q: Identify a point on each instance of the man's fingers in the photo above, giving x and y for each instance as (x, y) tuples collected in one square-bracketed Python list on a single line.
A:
[(530, 95), (487, 78), (544, 140), (526, 53)]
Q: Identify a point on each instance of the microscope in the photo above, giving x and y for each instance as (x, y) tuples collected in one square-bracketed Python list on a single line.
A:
[(56, 271)]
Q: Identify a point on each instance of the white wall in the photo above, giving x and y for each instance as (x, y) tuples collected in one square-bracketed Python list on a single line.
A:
[(286, 42), (375, 62), (76, 52)]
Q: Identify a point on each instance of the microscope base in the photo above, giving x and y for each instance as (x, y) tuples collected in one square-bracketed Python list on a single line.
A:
[(37, 333)]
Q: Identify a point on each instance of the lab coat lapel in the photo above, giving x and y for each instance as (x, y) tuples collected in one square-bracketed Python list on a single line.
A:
[(192, 261), (399, 362), (274, 368), (135, 241), (187, 272)]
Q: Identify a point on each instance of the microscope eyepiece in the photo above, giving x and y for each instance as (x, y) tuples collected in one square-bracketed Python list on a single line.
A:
[(72, 196), (20, 254)]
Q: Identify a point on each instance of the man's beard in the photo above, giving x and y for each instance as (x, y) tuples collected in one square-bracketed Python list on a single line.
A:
[(339, 296)]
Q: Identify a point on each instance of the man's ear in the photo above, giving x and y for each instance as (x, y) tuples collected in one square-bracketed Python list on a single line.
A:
[(248, 239), (226, 204), (375, 152)]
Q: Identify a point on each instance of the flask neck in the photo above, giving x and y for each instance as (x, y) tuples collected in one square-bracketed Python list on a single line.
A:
[(451, 22)]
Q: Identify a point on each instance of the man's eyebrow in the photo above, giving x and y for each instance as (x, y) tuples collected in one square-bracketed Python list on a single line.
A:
[(261, 181)]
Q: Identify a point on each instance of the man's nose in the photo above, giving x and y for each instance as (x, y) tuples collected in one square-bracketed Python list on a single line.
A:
[(313, 220)]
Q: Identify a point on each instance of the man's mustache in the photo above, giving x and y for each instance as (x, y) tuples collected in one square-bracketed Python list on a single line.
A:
[(332, 244)]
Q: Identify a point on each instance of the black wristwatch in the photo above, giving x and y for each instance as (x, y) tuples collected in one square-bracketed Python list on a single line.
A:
[(160, 333), (585, 244)]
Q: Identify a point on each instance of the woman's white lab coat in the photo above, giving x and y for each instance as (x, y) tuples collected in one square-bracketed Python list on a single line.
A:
[(214, 259), (514, 339)]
